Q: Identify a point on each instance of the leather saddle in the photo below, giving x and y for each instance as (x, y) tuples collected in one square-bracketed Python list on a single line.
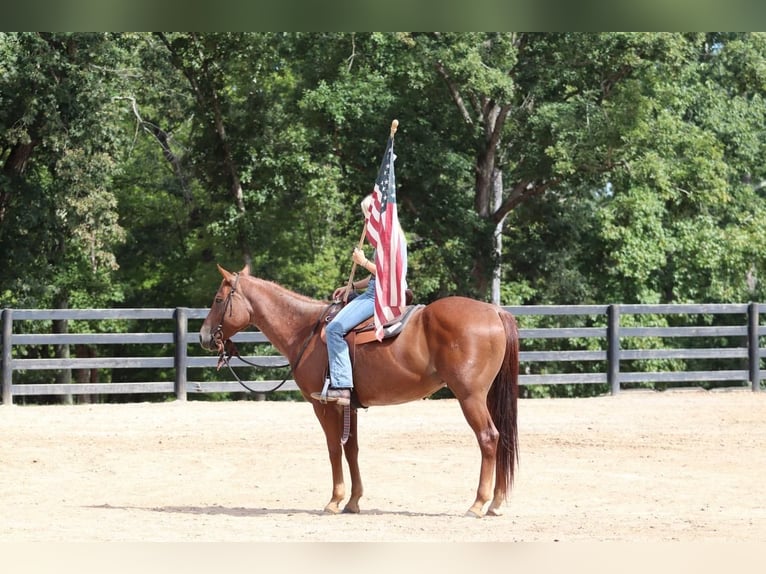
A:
[(364, 332)]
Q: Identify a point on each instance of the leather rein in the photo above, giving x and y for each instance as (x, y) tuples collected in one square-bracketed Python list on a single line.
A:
[(224, 356)]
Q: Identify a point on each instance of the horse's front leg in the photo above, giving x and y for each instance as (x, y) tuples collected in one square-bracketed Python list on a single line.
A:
[(352, 457), (332, 425)]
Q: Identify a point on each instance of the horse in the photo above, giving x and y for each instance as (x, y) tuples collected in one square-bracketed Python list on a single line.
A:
[(470, 347)]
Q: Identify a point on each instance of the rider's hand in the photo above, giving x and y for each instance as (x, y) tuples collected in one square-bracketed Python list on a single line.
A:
[(358, 256), (339, 293)]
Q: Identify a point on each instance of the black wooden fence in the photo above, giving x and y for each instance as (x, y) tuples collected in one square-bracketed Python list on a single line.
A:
[(737, 364)]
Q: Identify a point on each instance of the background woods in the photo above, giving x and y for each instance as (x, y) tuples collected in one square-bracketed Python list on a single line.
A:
[(541, 168)]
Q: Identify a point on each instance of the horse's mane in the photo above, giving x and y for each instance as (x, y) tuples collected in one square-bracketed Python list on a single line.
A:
[(285, 292)]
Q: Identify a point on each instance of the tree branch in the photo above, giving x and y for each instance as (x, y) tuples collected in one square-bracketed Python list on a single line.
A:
[(520, 193), (497, 123), (455, 93), (350, 59), (163, 138)]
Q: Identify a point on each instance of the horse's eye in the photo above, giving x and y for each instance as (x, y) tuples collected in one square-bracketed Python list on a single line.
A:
[(219, 299)]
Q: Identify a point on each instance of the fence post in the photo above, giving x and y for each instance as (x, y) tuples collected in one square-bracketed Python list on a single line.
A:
[(613, 348), (180, 361), (6, 379), (753, 346)]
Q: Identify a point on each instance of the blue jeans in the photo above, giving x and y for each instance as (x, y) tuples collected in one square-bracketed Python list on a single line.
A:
[(359, 309)]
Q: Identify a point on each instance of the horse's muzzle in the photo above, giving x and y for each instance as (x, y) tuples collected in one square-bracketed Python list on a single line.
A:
[(207, 341), (204, 343)]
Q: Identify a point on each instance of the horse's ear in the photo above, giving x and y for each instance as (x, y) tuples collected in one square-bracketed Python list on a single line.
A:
[(245, 269), (226, 274)]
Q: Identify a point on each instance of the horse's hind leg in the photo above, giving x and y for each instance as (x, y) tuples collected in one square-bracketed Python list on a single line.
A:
[(501, 485), (497, 500), (478, 417)]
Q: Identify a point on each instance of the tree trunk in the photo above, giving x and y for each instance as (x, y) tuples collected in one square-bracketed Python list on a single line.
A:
[(488, 199), (14, 165), (497, 200), (236, 182)]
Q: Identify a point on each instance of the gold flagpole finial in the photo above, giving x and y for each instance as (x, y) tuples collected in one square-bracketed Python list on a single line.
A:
[(394, 125)]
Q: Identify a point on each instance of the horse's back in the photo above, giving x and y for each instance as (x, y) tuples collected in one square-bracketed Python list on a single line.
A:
[(462, 314), (460, 302)]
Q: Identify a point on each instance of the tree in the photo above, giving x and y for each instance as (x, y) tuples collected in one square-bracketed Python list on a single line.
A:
[(532, 168), (59, 150), (246, 178), (60, 147), (543, 112)]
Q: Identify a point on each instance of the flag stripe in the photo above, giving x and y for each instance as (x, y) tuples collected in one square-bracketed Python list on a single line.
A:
[(385, 235)]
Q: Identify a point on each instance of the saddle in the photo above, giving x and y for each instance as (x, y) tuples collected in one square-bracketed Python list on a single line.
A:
[(364, 332)]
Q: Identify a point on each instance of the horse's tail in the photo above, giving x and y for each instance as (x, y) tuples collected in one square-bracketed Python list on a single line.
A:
[(502, 402)]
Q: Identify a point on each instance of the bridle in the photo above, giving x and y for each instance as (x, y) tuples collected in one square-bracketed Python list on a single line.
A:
[(217, 334), (227, 348)]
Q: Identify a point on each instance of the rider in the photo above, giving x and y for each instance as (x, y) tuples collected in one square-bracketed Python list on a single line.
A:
[(357, 310)]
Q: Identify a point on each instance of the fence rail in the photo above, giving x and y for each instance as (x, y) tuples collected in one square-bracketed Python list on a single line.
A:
[(178, 338)]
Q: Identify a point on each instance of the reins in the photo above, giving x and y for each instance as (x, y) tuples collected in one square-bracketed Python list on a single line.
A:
[(223, 356)]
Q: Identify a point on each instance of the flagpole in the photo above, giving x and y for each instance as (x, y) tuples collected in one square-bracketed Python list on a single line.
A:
[(350, 284)]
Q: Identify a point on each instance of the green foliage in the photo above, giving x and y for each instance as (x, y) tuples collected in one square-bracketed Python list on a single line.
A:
[(630, 165), (59, 147)]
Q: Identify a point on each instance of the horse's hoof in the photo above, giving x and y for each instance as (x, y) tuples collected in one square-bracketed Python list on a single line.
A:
[(351, 509), (332, 508), (494, 512), (473, 514)]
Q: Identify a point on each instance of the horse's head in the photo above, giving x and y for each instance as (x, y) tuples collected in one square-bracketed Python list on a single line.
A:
[(229, 314)]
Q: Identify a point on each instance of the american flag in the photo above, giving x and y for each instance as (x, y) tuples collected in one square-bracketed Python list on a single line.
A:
[(385, 235)]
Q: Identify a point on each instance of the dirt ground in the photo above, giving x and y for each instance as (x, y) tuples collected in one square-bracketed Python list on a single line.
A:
[(656, 467)]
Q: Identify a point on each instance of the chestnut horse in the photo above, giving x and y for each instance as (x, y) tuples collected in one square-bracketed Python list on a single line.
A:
[(466, 345)]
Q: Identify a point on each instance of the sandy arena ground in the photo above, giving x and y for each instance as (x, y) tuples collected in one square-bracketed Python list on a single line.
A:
[(656, 467)]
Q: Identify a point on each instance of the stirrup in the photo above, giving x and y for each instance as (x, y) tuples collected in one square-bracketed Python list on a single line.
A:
[(340, 396)]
